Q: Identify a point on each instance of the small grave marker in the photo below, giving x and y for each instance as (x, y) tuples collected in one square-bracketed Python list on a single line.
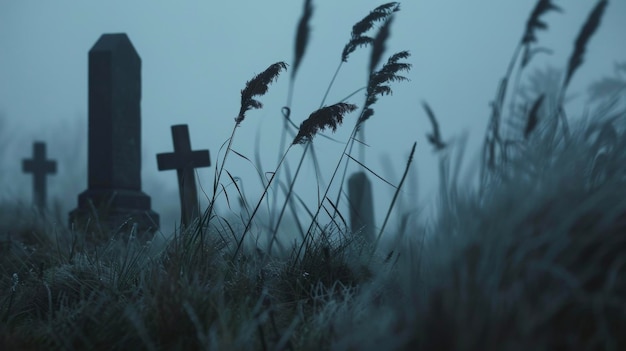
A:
[(184, 161), (361, 205), (114, 137), (39, 167)]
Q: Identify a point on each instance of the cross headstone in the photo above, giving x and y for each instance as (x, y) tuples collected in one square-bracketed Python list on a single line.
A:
[(39, 167), (361, 205), (114, 137), (184, 161)]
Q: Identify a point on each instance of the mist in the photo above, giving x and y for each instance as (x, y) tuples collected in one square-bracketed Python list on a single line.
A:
[(198, 55)]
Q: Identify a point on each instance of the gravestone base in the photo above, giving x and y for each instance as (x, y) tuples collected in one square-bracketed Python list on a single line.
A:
[(115, 213)]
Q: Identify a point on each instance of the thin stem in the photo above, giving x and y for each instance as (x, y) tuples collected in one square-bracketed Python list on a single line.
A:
[(286, 120), (256, 208), (345, 169), (292, 181), (209, 211), (332, 81), (353, 93), (321, 203), (493, 134), (395, 197), (282, 210), (343, 178)]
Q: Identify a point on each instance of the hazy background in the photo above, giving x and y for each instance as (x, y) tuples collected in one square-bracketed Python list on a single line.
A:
[(197, 56)]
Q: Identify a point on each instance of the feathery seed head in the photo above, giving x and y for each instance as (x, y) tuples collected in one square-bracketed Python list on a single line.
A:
[(329, 116), (381, 13), (378, 14), (535, 23), (258, 86), (378, 79), (378, 45), (353, 44)]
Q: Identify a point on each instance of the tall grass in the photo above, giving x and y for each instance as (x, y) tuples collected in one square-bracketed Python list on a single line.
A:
[(534, 258)]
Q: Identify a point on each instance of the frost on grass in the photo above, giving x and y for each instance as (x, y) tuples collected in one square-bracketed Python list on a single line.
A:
[(537, 262)]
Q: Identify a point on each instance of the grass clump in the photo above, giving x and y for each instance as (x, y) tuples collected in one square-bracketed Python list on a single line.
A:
[(534, 258)]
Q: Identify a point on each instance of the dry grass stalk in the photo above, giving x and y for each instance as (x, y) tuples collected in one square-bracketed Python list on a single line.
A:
[(258, 86), (377, 83), (381, 13), (553, 282), (378, 45), (395, 196), (376, 86), (435, 137), (302, 36), (329, 116), (357, 40), (533, 24), (589, 28), (492, 137)]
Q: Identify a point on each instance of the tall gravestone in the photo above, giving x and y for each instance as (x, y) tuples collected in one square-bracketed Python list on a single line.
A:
[(361, 205), (114, 195), (39, 166), (184, 161)]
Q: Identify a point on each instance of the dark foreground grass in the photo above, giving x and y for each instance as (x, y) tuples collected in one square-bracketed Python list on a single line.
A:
[(533, 259)]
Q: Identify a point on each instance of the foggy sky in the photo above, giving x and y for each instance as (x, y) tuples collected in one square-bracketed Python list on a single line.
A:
[(197, 56)]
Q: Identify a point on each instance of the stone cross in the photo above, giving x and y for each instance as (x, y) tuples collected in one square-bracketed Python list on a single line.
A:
[(39, 167), (114, 137), (184, 161), (361, 205)]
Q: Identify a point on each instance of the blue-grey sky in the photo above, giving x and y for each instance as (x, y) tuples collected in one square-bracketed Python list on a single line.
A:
[(197, 56)]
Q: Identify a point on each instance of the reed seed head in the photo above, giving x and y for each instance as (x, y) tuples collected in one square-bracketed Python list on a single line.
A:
[(329, 116), (534, 21), (378, 45), (381, 13), (377, 82), (258, 86), (533, 24)]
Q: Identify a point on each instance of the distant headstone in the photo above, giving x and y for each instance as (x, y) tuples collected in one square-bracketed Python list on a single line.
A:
[(114, 137), (361, 205), (184, 161), (39, 167)]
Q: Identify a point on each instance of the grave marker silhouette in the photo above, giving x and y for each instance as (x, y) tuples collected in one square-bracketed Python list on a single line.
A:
[(184, 161), (114, 137), (361, 205), (39, 167)]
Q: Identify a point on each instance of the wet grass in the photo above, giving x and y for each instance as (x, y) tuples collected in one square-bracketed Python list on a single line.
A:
[(532, 258)]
